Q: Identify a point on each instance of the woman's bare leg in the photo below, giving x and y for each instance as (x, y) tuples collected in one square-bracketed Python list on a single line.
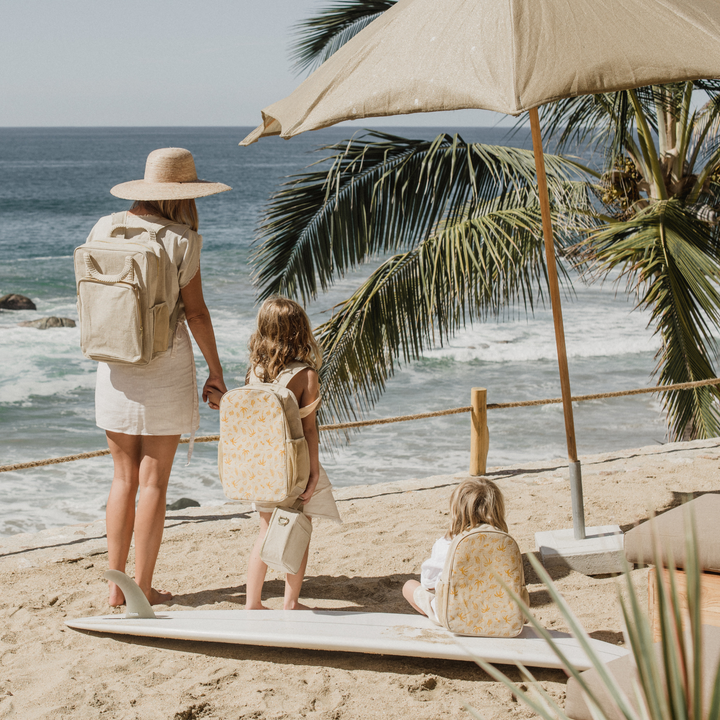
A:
[(157, 455), (293, 585), (257, 569), (120, 510), (140, 462)]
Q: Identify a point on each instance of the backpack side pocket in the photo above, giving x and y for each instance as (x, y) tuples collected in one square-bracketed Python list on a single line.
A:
[(441, 595), (161, 339), (220, 459), (297, 455)]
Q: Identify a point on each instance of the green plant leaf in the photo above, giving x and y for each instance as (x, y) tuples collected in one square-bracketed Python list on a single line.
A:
[(382, 193), (466, 271), (322, 35), (672, 263)]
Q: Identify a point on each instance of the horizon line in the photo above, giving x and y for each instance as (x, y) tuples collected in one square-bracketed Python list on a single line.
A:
[(235, 127)]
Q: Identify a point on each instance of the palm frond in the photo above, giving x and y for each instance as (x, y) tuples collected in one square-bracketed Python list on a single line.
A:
[(672, 262), (322, 35), (606, 121), (577, 122), (706, 139), (414, 300), (382, 193), (711, 87)]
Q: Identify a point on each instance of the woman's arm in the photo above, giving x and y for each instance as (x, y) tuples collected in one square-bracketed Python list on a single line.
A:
[(306, 387), (200, 324)]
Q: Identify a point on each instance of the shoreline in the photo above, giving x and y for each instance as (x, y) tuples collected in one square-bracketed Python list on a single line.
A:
[(87, 539), (52, 671)]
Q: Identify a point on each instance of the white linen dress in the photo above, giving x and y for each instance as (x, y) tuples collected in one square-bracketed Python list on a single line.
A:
[(159, 398)]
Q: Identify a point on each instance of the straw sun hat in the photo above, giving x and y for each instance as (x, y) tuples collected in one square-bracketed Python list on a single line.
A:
[(169, 175)]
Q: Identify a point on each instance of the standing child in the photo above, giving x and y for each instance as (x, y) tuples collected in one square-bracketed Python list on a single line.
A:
[(475, 502), (284, 351)]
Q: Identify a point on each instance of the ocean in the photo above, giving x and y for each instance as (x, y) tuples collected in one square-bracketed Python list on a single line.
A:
[(55, 184)]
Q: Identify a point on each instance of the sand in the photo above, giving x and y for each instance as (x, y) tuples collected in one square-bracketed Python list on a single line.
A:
[(50, 671)]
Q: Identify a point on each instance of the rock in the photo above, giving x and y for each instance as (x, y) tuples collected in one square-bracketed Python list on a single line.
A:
[(16, 302), (48, 322), (183, 503)]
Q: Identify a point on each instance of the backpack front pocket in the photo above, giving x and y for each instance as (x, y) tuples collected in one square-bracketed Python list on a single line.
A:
[(100, 305)]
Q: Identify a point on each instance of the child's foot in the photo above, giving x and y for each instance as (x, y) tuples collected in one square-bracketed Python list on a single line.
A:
[(295, 605), (116, 598), (256, 607), (158, 597)]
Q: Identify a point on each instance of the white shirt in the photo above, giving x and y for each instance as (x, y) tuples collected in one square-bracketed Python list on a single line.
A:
[(432, 568)]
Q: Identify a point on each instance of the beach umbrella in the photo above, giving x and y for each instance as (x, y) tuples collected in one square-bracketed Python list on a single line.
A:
[(509, 56)]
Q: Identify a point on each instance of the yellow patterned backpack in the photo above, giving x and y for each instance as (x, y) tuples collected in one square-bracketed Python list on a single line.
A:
[(470, 600), (262, 454)]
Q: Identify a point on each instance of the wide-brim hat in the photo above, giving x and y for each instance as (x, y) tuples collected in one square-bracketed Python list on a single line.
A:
[(169, 175)]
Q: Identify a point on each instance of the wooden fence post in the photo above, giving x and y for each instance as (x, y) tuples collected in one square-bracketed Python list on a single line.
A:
[(479, 434)]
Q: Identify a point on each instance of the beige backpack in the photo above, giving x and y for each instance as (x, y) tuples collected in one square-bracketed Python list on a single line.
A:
[(121, 294), (469, 598), (262, 454)]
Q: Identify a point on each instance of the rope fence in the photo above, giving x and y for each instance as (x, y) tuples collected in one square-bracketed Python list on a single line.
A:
[(398, 418)]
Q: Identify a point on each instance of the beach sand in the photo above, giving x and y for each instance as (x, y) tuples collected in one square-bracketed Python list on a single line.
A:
[(50, 671)]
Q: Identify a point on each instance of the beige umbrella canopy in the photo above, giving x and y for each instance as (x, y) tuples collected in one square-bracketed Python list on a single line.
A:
[(509, 56), (502, 55)]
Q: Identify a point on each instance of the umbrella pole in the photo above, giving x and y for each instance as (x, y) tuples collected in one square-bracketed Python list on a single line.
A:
[(578, 511)]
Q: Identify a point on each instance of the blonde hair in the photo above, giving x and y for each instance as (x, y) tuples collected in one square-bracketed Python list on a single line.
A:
[(183, 212), (476, 501), (283, 335)]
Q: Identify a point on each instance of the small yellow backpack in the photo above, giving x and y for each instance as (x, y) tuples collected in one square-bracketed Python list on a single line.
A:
[(262, 454), (470, 600)]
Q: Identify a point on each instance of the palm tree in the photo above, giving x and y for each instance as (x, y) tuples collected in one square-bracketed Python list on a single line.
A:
[(460, 224), (659, 224)]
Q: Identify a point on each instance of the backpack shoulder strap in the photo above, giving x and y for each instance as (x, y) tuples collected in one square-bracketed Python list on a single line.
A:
[(253, 379), (287, 375), (307, 409), (123, 220), (118, 221)]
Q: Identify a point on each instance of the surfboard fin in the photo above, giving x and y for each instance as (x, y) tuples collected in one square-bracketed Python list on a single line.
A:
[(136, 604)]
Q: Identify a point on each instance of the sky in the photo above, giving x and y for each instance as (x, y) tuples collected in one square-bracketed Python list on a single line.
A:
[(159, 63)]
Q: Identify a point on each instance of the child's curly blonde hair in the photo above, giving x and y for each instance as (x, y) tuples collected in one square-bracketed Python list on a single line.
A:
[(283, 336), (476, 501)]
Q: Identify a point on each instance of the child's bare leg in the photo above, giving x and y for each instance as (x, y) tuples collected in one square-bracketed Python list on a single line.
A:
[(409, 594), (257, 569), (293, 584)]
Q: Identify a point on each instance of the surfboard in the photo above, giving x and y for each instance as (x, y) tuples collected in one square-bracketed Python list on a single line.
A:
[(336, 630)]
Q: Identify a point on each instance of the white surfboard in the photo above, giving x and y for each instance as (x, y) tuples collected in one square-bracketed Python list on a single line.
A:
[(335, 630), (379, 633)]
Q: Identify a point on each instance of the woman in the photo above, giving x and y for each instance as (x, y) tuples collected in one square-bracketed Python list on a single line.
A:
[(145, 408)]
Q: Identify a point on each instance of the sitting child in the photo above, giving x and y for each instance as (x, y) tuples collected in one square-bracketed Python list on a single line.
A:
[(475, 502)]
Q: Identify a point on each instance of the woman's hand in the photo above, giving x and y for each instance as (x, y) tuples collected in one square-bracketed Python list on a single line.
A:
[(213, 391), (198, 320), (309, 489)]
